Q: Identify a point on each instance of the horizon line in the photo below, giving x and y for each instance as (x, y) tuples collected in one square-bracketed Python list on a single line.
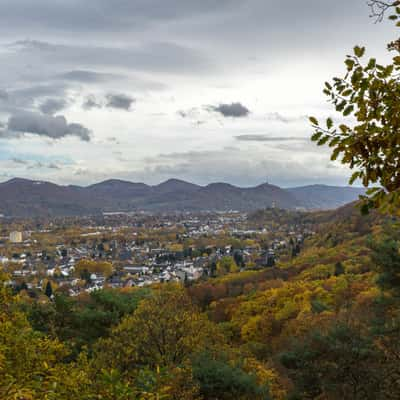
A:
[(181, 181)]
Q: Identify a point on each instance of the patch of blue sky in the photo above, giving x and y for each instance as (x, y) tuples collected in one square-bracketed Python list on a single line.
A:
[(10, 152)]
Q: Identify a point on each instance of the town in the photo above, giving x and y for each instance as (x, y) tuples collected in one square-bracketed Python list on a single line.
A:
[(118, 250)]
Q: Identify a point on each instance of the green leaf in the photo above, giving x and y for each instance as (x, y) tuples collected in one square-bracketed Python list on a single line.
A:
[(340, 107), (323, 140), (371, 64), (348, 110), (334, 141), (316, 136), (344, 128), (350, 64), (314, 121), (335, 154), (359, 51), (354, 177), (329, 123), (372, 190)]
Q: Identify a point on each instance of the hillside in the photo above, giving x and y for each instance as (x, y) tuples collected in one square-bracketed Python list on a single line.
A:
[(313, 326)]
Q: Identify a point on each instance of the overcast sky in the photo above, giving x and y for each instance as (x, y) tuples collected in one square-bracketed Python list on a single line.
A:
[(146, 90)]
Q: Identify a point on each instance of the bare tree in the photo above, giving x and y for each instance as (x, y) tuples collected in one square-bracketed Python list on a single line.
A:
[(379, 8)]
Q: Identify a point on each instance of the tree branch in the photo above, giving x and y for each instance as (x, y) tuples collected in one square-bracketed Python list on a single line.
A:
[(379, 8)]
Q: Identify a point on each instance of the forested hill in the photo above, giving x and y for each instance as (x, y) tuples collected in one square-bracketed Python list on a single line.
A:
[(26, 198)]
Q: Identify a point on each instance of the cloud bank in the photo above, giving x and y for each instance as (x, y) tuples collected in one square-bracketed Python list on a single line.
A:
[(45, 126), (233, 110)]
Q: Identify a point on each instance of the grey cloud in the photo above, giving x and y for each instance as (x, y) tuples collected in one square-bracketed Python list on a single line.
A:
[(245, 19), (41, 165), (3, 95), (53, 166), (35, 164), (7, 134), (90, 103), (91, 77), (231, 148), (234, 110), (79, 130), (29, 96), (45, 125), (239, 29), (19, 161), (36, 91), (182, 113), (275, 116), (85, 76), (193, 112), (267, 138), (120, 101), (81, 172), (167, 57), (118, 15), (51, 106)]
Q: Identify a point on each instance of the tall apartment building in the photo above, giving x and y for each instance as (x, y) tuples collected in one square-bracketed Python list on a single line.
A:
[(16, 237)]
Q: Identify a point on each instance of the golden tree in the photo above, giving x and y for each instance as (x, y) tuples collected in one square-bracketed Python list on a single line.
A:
[(367, 136)]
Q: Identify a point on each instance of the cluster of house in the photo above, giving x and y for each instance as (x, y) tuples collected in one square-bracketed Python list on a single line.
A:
[(138, 263)]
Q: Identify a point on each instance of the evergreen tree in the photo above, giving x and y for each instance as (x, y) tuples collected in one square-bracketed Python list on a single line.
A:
[(23, 286), (49, 290), (339, 269)]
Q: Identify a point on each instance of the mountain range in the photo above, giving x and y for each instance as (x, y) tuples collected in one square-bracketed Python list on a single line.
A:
[(25, 198)]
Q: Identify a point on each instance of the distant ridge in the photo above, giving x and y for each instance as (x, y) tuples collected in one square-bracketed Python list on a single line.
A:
[(30, 198), (324, 196)]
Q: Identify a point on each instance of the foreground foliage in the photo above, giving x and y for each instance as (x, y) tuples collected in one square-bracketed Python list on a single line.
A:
[(322, 325)]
